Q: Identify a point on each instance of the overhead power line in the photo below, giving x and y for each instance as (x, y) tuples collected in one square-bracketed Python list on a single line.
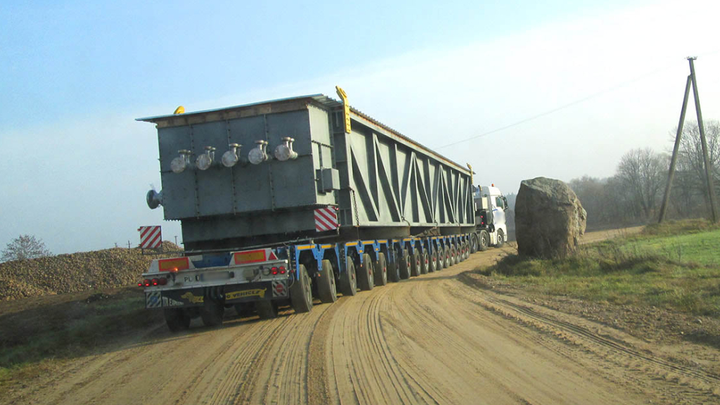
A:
[(562, 107)]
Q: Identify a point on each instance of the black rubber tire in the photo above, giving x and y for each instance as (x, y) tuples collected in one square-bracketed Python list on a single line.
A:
[(453, 255), (301, 291), (440, 259), (473, 243), (244, 309), (433, 263), (424, 262), (348, 279), (394, 270), (381, 270), (416, 260), (211, 313), (405, 265), (176, 319), (466, 245), (500, 238), (366, 280), (266, 309), (448, 262), (483, 240), (327, 290)]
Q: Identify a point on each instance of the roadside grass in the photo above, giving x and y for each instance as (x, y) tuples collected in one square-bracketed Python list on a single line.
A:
[(35, 340), (673, 266)]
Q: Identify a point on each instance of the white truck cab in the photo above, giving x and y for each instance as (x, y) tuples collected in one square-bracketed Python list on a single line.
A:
[(490, 207)]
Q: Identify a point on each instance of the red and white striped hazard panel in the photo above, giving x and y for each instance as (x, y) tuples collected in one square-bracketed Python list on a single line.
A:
[(150, 237), (326, 219)]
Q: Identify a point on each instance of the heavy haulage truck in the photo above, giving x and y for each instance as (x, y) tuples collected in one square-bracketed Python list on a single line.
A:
[(286, 201)]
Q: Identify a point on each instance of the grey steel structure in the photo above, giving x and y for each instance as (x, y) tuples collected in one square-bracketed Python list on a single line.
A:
[(383, 184)]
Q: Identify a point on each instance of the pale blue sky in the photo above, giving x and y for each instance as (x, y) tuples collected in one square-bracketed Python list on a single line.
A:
[(70, 59), (74, 75)]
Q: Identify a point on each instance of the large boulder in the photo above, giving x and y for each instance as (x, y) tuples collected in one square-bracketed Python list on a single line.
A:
[(549, 218)]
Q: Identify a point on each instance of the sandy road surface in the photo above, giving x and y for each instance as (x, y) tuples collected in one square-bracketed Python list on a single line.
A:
[(432, 339)]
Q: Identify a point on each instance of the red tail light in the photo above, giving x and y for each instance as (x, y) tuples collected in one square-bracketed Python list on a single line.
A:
[(274, 271), (162, 281), (154, 281), (146, 283), (140, 284), (282, 270)]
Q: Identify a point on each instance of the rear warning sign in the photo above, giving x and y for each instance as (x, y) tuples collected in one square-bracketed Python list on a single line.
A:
[(177, 264), (326, 219), (279, 289), (254, 256), (150, 237)]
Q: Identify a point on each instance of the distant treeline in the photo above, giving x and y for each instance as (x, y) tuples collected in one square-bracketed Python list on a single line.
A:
[(634, 194)]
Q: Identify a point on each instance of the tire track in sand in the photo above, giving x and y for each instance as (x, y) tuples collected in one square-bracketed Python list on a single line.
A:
[(431, 339), (363, 369), (641, 366)]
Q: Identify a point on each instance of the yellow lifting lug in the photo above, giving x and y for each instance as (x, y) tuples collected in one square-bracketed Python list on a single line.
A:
[(346, 106), (471, 173), (179, 110)]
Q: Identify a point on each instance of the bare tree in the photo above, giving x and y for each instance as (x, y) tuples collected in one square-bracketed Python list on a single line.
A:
[(595, 197), (25, 247), (641, 173), (690, 156)]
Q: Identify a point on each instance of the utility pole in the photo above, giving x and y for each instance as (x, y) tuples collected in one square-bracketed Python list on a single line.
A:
[(691, 80), (673, 161), (708, 163)]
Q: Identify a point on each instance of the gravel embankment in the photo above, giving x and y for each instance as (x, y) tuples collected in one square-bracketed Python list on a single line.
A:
[(75, 272)]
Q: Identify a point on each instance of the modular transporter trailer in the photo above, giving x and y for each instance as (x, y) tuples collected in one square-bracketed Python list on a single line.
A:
[(266, 279), (284, 201)]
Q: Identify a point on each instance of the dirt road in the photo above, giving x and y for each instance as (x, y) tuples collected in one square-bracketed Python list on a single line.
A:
[(434, 339)]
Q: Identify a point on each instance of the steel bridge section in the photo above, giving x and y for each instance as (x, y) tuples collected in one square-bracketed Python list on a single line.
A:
[(389, 183)]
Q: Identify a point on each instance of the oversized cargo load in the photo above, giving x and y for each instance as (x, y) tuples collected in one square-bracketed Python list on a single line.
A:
[(285, 201), (267, 172)]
